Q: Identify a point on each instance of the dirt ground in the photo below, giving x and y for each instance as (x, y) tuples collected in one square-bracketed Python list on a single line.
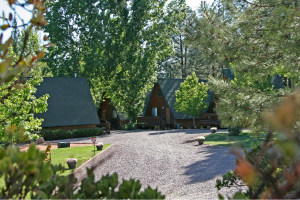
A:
[(24, 147)]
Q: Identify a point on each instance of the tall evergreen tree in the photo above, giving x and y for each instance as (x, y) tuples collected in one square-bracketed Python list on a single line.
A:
[(259, 39), (177, 65)]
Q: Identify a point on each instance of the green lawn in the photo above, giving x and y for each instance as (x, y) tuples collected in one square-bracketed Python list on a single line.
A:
[(223, 139), (82, 154)]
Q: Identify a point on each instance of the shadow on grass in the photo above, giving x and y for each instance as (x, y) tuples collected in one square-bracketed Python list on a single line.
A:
[(216, 162), (242, 140)]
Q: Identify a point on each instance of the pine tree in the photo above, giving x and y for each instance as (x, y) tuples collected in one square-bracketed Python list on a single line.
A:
[(259, 39)]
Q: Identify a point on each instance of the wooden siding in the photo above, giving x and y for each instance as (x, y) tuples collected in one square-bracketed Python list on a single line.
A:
[(120, 123), (187, 123), (105, 105), (159, 102), (116, 123)]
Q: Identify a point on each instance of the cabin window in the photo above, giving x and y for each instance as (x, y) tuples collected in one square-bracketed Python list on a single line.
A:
[(159, 93), (154, 111), (114, 114)]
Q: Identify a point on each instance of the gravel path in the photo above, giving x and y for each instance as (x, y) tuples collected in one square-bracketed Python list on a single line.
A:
[(167, 159)]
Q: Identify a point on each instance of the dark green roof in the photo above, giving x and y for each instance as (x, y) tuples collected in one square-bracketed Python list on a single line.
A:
[(70, 102), (228, 73), (168, 88)]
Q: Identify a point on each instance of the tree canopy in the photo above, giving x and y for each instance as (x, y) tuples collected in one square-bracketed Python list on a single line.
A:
[(115, 45), (191, 96)]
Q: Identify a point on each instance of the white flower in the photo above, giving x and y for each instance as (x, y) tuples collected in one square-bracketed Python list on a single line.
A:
[(71, 160), (200, 138), (99, 144), (213, 128)]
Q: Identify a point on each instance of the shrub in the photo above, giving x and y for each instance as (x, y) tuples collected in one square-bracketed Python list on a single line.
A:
[(234, 130), (58, 134), (130, 126)]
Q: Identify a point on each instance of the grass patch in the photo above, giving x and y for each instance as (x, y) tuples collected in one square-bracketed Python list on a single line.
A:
[(223, 139), (82, 154)]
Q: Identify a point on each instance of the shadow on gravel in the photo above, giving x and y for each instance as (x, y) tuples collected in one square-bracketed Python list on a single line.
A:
[(215, 161), (188, 141), (185, 131)]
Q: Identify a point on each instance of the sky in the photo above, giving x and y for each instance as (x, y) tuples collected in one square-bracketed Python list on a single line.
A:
[(194, 4)]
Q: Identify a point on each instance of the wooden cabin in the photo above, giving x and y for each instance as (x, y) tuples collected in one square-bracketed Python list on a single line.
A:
[(161, 106), (70, 105)]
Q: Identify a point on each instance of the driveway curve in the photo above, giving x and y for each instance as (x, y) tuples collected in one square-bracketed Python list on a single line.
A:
[(169, 160)]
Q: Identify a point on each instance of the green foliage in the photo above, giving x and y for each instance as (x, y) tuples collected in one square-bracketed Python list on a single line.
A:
[(130, 126), (19, 107), (175, 66), (232, 179), (229, 179), (26, 173), (107, 185), (33, 47), (58, 134), (191, 96), (110, 43), (17, 101), (234, 130), (257, 38)]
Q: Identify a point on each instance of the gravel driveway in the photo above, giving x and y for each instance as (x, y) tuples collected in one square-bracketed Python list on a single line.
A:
[(167, 159)]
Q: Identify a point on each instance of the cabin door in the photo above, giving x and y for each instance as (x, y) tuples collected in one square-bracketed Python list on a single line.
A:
[(168, 116), (103, 114)]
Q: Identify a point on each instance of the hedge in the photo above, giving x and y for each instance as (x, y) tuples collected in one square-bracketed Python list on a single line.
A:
[(58, 134)]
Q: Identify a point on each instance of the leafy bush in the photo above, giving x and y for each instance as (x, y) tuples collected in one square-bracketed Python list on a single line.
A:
[(26, 173), (234, 130), (130, 126), (232, 179), (58, 134)]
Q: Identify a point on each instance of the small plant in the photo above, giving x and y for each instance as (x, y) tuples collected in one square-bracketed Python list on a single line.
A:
[(200, 138), (69, 160), (130, 126), (99, 145), (213, 129), (234, 130)]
